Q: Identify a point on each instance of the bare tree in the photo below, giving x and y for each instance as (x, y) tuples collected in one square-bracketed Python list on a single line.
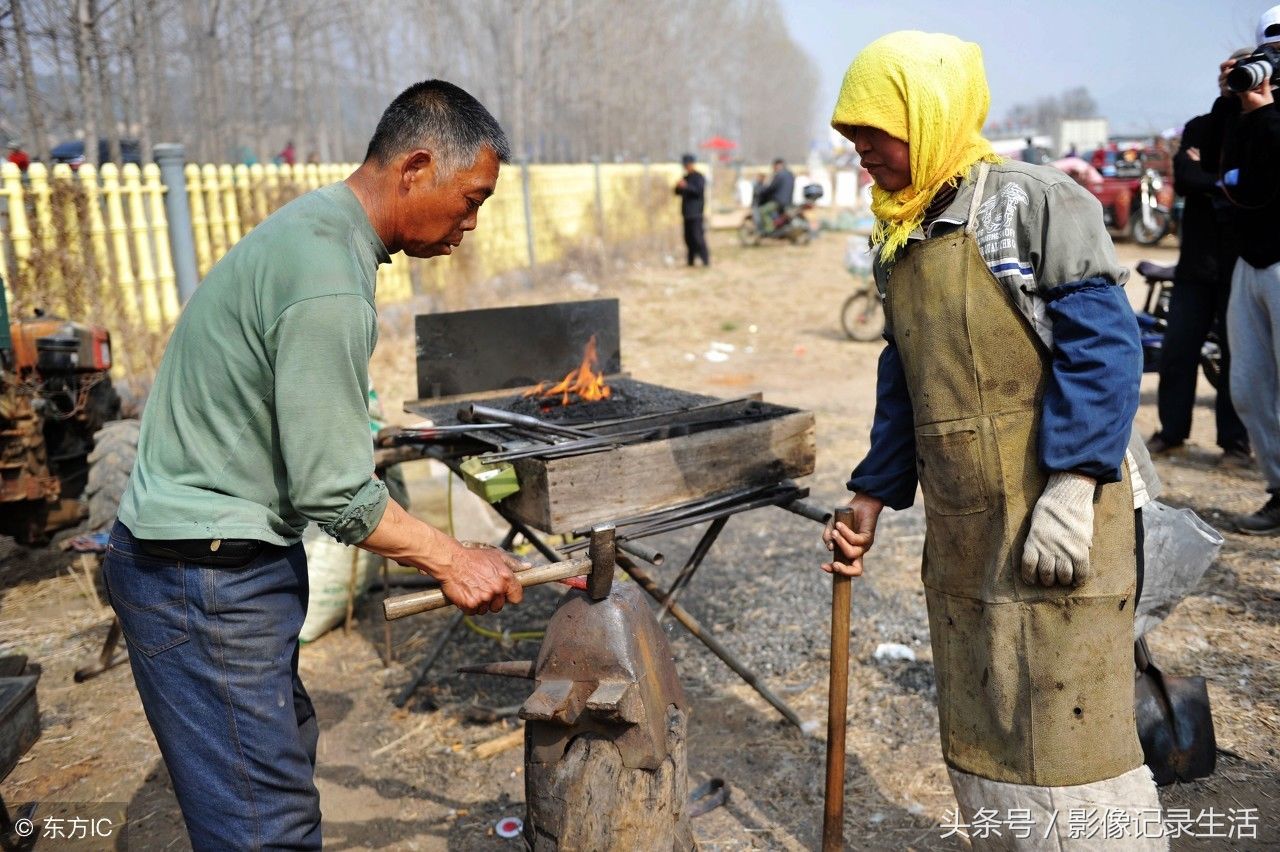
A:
[(569, 79), (29, 85)]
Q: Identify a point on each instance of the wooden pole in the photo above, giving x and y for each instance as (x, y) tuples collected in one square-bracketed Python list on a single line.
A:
[(837, 700), (386, 625)]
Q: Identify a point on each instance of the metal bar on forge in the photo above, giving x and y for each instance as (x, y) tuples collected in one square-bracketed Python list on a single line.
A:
[(694, 508), (501, 415), (657, 415), (681, 523), (691, 565)]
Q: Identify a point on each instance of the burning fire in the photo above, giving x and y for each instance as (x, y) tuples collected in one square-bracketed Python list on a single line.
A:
[(582, 381)]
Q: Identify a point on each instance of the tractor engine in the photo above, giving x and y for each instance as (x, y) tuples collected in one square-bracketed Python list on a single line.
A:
[(55, 393)]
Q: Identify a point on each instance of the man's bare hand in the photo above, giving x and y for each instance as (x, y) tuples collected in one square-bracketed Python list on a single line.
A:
[(1224, 69), (481, 578), (853, 543), (1193, 154)]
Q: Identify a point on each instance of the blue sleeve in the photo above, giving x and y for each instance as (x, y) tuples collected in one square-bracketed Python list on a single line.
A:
[(1092, 393), (888, 472)]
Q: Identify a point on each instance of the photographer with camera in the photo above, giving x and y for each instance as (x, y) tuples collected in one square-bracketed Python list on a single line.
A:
[(1249, 174), (1198, 306)]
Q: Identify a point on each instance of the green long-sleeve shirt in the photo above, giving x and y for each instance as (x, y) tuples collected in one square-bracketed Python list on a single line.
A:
[(258, 420)]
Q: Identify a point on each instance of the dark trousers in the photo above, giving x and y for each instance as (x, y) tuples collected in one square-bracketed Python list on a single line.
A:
[(214, 653), (695, 240), (1195, 308)]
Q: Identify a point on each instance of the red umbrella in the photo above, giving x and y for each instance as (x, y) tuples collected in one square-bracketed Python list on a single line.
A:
[(719, 143)]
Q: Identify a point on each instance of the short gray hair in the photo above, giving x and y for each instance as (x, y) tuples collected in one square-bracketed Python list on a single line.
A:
[(442, 117)]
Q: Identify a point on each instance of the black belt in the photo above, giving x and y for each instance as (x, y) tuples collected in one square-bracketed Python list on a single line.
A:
[(218, 552)]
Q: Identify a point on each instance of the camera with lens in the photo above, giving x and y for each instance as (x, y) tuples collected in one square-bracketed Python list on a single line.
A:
[(1249, 72)]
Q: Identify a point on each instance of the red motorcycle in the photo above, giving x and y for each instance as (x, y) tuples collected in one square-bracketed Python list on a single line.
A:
[(1137, 199)]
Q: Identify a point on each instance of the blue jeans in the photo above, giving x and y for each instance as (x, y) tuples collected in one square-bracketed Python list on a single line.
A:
[(214, 653)]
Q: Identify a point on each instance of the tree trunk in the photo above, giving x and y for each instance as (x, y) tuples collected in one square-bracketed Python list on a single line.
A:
[(84, 24), (140, 61), (35, 117), (590, 800), (67, 115), (110, 124)]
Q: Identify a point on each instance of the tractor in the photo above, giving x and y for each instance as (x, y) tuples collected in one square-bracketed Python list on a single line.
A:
[(65, 454)]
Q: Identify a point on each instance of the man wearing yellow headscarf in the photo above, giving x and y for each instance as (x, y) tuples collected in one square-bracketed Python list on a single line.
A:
[(1007, 390)]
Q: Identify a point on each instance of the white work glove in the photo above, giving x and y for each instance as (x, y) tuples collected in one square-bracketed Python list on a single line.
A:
[(1057, 548)]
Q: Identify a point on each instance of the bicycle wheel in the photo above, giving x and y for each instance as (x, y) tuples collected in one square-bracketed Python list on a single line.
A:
[(862, 317)]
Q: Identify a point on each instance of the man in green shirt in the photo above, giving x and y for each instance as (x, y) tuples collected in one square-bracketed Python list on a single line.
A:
[(258, 424)]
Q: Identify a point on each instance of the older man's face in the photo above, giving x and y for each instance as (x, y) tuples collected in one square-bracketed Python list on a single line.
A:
[(434, 213)]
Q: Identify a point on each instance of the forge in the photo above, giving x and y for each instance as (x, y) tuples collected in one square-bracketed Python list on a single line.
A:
[(641, 448)]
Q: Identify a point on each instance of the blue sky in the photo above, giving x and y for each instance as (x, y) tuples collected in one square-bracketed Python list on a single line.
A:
[(1149, 65)]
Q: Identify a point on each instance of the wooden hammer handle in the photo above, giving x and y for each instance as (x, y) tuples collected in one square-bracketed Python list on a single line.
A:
[(416, 602), (837, 698)]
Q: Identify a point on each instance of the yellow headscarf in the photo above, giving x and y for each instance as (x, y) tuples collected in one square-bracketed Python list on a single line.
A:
[(929, 90)]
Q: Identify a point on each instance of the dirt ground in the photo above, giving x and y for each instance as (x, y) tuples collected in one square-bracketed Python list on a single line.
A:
[(410, 779)]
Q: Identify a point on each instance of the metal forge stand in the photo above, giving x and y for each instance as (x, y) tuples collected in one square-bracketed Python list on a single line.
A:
[(633, 551), (646, 459)]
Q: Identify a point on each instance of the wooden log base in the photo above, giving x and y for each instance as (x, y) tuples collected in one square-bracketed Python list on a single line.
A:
[(589, 800)]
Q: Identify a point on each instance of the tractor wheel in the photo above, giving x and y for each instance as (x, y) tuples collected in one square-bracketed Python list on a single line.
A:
[(115, 449)]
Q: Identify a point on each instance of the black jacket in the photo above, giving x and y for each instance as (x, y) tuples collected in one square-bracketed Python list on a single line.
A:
[(1250, 146), (1207, 239), (692, 195), (781, 190)]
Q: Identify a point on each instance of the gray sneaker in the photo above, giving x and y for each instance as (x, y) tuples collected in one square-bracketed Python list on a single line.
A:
[(1265, 521)]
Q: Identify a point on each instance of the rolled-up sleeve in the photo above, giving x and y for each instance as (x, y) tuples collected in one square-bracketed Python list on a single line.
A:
[(322, 348)]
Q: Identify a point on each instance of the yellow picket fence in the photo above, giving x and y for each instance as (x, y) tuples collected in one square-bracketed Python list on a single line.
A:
[(95, 244)]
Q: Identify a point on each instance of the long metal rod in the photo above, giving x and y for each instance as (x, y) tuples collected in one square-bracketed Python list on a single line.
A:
[(600, 443), (658, 415), (529, 535), (681, 523), (691, 624), (805, 509), (485, 413), (687, 514), (699, 505), (691, 565), (412, 686)]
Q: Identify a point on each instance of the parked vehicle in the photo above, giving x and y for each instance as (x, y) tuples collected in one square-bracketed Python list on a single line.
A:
[(1152, 215), (862, 315), (790, 224), (1153, 322), (1137, 204), (64, 451), (71, 152)]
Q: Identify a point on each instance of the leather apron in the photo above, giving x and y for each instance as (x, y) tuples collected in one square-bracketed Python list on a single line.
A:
[(1035, 684)]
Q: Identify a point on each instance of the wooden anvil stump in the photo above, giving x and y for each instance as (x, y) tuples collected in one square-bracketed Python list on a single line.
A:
[(605, 761)]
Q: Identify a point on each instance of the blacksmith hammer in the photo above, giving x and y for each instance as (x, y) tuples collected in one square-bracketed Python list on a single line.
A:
[(837, 698), (598, 568)]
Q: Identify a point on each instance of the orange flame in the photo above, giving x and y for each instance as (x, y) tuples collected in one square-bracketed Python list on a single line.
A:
[(582, 381)]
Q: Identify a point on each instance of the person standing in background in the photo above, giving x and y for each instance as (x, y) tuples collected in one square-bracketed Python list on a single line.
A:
[(692, 189), (17, 156), (1198, 305), (1250, 179)]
